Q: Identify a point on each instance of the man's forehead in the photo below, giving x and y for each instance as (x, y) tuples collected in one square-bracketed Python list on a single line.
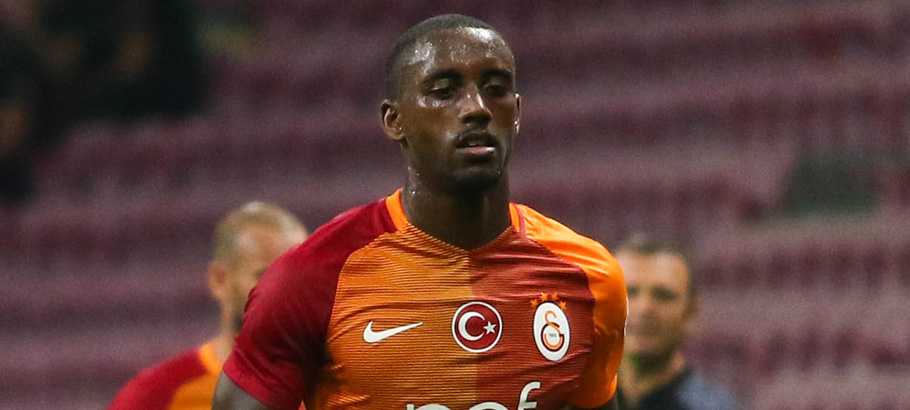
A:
[(661, 267), (457, 44)]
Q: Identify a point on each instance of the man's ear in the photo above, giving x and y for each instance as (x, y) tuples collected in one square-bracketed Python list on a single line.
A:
[(391, 120), (517, 124), (217, 276)]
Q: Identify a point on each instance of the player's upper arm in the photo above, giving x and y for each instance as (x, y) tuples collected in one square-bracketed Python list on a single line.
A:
[(280, 346), (228, 396), (598, 381)]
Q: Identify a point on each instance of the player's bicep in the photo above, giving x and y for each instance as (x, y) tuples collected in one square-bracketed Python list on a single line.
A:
[(280, 346), (229, 396)]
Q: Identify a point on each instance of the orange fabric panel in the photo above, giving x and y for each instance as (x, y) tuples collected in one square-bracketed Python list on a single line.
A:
[(381, 277), (197, 394), (208, 359), (407, 278), (607, 284), (393, 204), (517, 219), (418, 323), (396, 212)]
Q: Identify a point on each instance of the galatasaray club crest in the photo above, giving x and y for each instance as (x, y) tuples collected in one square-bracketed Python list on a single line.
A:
[(551, 327)]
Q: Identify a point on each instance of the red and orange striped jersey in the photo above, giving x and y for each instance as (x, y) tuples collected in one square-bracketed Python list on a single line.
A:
[(373, 313), (185, 382)]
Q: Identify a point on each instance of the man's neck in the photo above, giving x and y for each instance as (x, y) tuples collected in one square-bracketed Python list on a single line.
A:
[(640, 376), (465, 221), (223, 343)]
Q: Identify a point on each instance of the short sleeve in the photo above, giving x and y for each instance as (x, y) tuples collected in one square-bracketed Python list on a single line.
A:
[(279, 348), (597, 383)]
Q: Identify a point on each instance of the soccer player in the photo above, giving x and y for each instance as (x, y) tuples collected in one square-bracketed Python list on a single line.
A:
[(662, 305), (443, 295), (247, 241)]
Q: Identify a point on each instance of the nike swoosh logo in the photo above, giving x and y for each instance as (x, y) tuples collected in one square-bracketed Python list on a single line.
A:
[(370, 336)]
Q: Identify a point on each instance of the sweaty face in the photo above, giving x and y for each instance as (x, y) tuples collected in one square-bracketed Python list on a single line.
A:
[(659, 303), (257, 247), (458, 109)]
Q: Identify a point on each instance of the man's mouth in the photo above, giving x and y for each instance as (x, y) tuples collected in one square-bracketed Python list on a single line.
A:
[(642, 329), (476, 144)]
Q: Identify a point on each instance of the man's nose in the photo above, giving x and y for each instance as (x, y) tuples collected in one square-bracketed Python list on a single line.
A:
[(641, 306), (474, 110)]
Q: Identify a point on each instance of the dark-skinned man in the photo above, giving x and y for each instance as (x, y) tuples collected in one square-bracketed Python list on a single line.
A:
[(443, 295)]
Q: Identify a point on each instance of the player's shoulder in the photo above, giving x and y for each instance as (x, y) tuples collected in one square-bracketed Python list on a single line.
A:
[(348, 231), (564, 242), (158, 384), (184, 366), (331, 244), (603, 273)]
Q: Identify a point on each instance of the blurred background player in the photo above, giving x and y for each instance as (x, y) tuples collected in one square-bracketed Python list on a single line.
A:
[(662, 305), (246, 242)]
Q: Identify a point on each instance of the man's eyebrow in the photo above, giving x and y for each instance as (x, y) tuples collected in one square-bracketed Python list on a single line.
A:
[(498, 72), (444, 73), (663, 290)]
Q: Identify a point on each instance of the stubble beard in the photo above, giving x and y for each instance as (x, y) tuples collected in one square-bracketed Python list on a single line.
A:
[(477, 182), (475, 185)]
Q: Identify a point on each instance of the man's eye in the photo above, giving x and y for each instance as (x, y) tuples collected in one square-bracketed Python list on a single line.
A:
[(497, 90), (443, 93), (664, 295)]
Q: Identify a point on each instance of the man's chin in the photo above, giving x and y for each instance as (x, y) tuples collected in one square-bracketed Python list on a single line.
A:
[(476, 181), (648, 352), (646, 349)]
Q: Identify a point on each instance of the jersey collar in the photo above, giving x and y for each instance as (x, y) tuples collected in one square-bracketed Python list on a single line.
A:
[(396, 211)]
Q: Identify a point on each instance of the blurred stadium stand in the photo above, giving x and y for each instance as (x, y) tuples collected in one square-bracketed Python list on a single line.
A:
[(772, 137)]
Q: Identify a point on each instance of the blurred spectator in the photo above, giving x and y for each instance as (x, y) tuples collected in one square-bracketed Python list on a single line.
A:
[(18, 89), (247, 241), (75, 59), (123, 59), (662, 303)]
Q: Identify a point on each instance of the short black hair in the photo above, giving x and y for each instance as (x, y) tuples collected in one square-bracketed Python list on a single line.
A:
[(418, 31), (646, 245)]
